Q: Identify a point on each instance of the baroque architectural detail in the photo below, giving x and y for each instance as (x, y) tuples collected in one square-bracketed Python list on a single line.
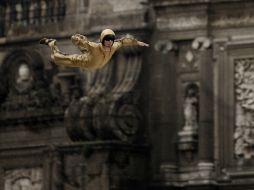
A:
[(192, 55), (25, 178), (189, 60), (190, 107), (21, 76), (22, 16), (25, 87), (179, 23), (165, 46), (201, 43), (188, 136), (244, 107), (108, 112), (238, 20)]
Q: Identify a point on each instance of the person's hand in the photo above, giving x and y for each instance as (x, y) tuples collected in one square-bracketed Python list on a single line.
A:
[(81, 36), (75, 39), (143, 44)]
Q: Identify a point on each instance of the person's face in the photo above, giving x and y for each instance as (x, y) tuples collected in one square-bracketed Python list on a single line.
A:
[(108, 40), (108, 43)]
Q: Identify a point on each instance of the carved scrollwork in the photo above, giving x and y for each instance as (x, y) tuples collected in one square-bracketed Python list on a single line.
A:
[(201, 43), (80, 115), (108, 114), (165, 46), (125, 120)]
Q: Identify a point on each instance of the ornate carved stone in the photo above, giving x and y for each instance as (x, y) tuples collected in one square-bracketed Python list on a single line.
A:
[(188, 136), (179, 23), (244, 107), (79, 114), (24, 178), (106, 113), (201, 43), (165, 46), (25, 90), (191, 107), (191, 54), (189, 59), (226, 20)]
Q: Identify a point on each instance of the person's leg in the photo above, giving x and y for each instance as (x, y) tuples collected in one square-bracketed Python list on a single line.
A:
[(72, 60), (51, 43), (60, 58), (64, 59)]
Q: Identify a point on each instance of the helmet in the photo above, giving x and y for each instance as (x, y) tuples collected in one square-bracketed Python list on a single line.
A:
[(106, 32)]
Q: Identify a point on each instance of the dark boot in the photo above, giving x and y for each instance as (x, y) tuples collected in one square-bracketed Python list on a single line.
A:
[(45, 41)]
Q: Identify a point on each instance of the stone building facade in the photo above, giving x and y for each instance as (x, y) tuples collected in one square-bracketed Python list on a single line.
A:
[(176, 115)]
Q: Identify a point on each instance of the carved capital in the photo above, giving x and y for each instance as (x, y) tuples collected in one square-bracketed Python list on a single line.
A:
[(165, 46)]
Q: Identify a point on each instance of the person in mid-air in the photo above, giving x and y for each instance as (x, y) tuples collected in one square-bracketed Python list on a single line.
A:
[(94, 55)]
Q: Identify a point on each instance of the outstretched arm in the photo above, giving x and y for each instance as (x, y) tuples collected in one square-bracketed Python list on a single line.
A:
[(81, 42), (129, 40), (143, 44)]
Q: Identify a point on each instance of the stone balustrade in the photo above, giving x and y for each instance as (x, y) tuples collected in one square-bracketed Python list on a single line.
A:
[(25, 13)]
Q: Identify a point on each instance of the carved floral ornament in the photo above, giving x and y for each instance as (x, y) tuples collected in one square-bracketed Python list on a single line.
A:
[(244, 107)]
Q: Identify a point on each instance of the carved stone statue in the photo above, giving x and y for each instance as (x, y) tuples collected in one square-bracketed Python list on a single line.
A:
[(191, 107)]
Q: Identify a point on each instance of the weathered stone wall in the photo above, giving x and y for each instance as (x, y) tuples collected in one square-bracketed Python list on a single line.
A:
[(42, 145), (203, 41), (184, 104)]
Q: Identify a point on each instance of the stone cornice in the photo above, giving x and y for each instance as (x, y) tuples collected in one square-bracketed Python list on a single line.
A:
[(162, 3), (182, 23), (185, 17)]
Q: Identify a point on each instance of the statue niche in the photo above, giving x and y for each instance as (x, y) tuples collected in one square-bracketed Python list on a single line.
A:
[(188, 136), (24, 87)]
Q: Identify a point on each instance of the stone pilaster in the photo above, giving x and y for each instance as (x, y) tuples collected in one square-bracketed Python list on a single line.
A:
[(164, 77), (206, 109)]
